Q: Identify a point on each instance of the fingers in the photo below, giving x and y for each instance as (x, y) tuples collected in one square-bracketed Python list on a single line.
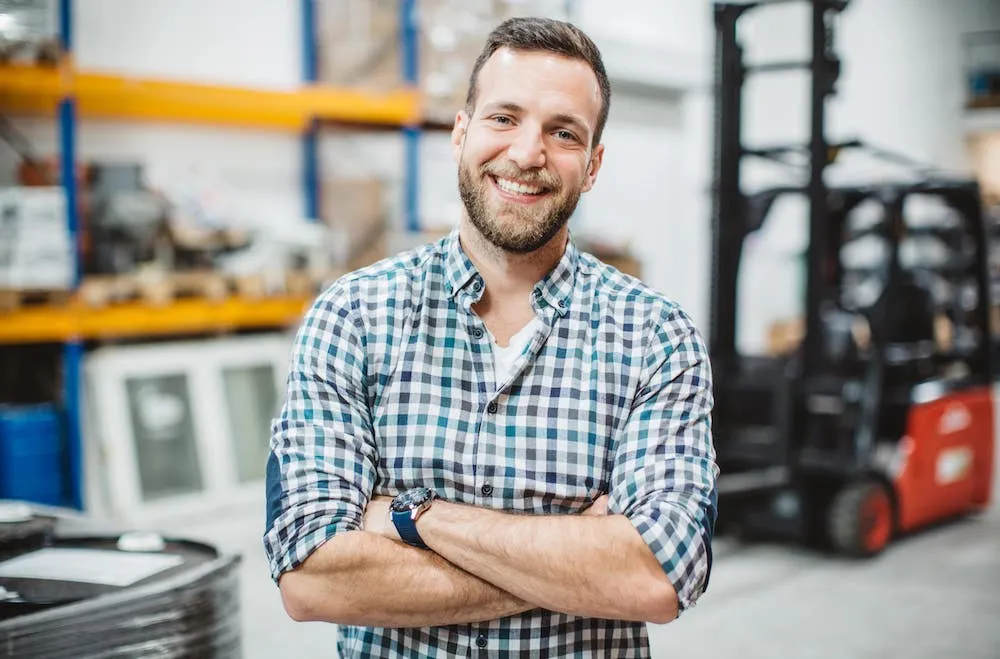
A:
[(598, 507)]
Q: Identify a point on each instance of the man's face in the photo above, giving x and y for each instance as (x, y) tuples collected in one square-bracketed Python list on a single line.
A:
[(524, 156)]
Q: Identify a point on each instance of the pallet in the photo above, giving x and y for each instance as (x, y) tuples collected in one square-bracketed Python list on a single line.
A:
[(155, 289), (12, 299), (162, 289)]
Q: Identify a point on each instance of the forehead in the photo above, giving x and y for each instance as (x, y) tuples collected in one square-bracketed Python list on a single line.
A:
[(540, 81)]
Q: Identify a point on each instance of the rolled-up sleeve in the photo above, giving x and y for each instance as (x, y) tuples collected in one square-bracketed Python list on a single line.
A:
[(664, 474), (321, 467)]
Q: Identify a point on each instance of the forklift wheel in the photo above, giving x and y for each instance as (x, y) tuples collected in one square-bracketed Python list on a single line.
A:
[(860, 519)]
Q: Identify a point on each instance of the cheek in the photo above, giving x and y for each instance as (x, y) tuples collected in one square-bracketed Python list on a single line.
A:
[(482, 147), (574, 173)]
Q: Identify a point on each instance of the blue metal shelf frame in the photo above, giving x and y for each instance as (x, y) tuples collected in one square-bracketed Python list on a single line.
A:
[(310, 138), (410, 54), (72, 350)]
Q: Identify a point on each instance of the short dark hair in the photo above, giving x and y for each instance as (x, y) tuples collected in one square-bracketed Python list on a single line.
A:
[(548, 35)]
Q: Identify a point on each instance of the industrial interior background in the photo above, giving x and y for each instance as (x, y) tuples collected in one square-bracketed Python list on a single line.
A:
[(179, 178)]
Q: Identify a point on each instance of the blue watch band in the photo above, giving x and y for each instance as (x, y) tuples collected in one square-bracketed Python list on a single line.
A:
[(407, 528)]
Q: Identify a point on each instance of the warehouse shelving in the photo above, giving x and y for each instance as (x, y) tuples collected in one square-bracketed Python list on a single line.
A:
[(101, 95), (69, 94), (74, 322)]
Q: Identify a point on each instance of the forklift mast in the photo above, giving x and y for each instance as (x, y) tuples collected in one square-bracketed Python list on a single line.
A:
[(731, 217)]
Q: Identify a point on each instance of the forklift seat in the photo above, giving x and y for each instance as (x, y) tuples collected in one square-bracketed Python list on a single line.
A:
[(909, 314)]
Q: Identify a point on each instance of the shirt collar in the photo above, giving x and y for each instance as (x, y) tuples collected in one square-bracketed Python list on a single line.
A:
[(554, 290)]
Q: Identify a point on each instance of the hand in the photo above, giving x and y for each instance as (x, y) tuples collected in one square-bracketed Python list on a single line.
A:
[(377, 520), (597, 509)]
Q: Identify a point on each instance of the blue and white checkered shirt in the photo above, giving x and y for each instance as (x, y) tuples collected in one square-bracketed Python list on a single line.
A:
[(612, 395)]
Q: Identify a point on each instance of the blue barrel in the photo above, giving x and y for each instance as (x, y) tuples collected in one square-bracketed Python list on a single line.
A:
[(31, 465)]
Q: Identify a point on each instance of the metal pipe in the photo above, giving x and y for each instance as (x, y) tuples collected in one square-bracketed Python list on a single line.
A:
[(310, 137), (409, 35)]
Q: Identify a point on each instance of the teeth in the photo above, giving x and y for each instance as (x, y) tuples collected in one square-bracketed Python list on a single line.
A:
[(515, 187)]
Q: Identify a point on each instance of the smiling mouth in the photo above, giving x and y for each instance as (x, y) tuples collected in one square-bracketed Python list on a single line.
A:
[(517, 189)]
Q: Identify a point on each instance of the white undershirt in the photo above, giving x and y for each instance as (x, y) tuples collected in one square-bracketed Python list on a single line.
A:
[(504, 357)]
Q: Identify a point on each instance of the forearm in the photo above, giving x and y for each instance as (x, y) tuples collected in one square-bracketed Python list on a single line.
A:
[(361, 578), (580, 565)]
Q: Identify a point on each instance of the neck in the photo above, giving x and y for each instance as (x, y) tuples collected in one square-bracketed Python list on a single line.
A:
[(506, 274)]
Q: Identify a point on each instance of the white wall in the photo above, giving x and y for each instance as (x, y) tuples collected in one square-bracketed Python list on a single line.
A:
[(650, 192)]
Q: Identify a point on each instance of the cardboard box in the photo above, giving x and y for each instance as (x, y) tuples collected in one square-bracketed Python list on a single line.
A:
[(355, 210), (35, 247), (785, 336), (360, 45)]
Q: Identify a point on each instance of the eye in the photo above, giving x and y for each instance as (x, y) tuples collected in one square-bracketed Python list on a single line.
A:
[(566, 135), (501, 119)]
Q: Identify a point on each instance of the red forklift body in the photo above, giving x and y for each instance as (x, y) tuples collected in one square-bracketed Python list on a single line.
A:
[(946, 459)]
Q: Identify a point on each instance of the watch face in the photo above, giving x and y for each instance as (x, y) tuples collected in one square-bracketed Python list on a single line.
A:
[(411, 499)]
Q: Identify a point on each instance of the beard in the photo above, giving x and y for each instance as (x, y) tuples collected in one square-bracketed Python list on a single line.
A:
[(513, 227)]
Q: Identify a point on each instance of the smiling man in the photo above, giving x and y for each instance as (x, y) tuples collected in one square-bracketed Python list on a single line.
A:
[(496, 445)]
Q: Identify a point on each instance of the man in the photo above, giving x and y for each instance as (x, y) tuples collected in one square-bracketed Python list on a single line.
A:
[(541, 419)]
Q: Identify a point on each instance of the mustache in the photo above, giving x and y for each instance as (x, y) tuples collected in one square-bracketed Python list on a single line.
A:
[(535, 177)]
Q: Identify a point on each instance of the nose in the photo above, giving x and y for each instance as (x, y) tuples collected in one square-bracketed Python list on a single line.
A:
[(527, 150)]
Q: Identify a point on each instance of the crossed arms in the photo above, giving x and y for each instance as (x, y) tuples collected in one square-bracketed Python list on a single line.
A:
[(482, 565)]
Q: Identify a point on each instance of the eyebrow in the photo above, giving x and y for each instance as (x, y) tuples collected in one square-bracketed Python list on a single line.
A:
[(561, 118)]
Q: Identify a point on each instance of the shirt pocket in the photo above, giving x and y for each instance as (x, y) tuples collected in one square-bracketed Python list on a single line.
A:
[(554, 469)]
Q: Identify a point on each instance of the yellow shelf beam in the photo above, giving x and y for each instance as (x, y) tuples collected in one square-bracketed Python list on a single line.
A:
[(48, 324), (36, 90)]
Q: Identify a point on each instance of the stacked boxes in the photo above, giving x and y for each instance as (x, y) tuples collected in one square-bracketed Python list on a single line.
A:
[(358, 44), (35, 247)]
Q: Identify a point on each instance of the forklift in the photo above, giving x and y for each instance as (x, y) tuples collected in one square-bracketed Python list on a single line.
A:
[(878, 421)]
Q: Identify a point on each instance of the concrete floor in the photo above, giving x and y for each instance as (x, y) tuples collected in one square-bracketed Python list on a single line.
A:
[(932, 595)]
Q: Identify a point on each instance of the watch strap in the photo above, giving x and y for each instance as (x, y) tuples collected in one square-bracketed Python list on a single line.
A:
[(406, 527)]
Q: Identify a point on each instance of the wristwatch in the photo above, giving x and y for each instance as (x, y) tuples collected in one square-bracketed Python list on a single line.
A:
[(406, 508)]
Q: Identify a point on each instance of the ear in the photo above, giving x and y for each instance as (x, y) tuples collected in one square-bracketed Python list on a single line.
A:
[(458, 134), (596, 158)]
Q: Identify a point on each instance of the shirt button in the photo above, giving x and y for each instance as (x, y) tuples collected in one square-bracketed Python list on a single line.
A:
[(477, 332), (481, 641), (487, 490), (492, 407), (477, 285)]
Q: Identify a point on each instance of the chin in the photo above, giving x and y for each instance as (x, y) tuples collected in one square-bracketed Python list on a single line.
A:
[(522, 243)]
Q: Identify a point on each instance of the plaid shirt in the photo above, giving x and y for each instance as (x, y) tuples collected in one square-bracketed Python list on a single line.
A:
[(612, 395)]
